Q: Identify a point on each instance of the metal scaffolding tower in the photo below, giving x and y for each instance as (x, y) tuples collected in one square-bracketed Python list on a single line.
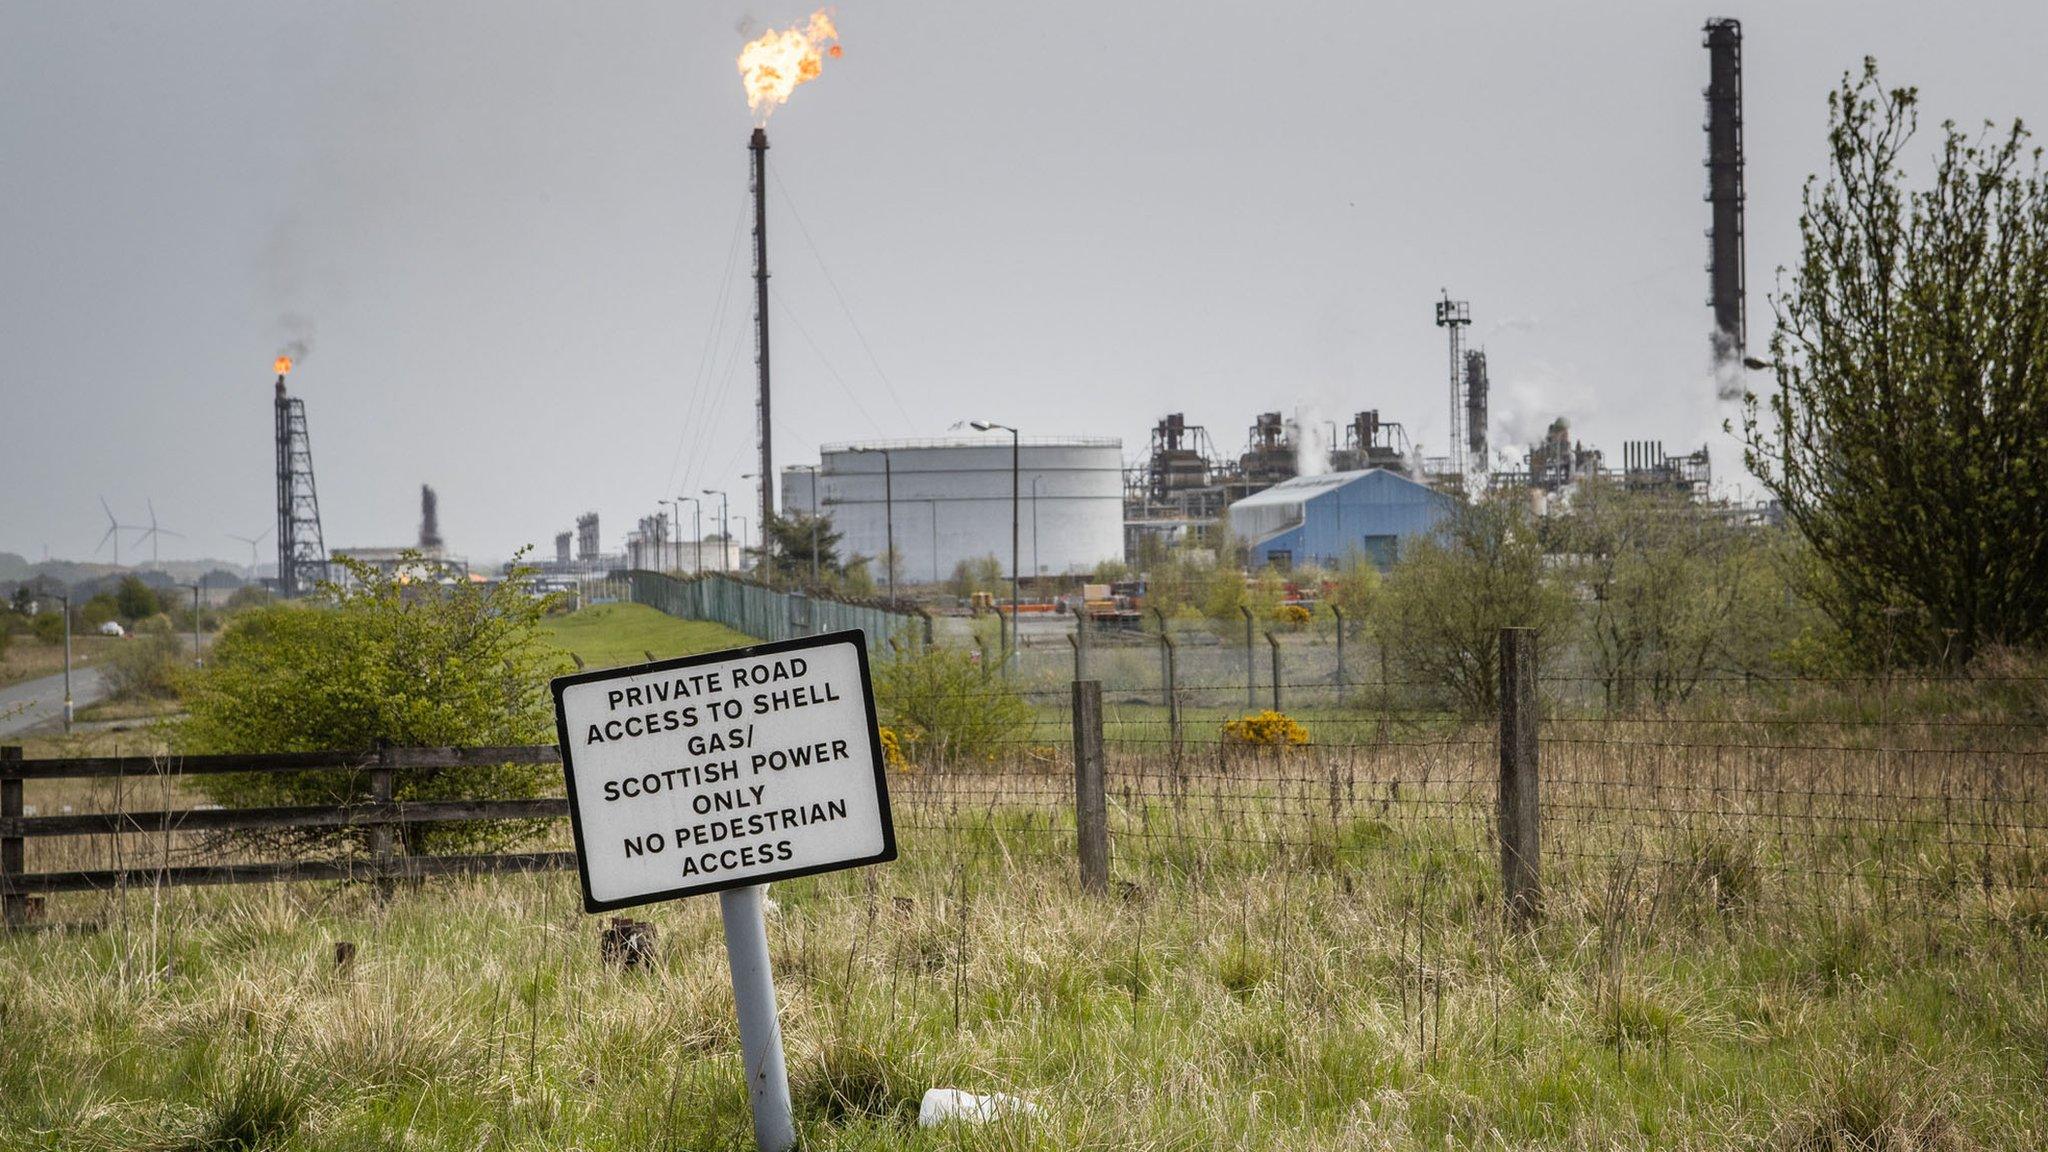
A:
[(1456, 315), (301, 552)]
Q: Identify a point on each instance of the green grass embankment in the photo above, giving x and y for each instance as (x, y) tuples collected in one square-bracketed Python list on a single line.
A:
[(608, 635)]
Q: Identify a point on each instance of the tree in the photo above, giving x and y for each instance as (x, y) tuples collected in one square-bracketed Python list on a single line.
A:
[(384, 662), (134, 600), (794, 540), (1670, 586), (980, 574), (1443, 605), (1908, 436)]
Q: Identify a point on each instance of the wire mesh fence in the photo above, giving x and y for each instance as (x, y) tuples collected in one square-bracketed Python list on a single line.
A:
[(1872, 796)]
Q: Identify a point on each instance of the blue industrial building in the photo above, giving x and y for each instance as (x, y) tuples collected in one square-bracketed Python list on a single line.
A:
[(1324, 519)]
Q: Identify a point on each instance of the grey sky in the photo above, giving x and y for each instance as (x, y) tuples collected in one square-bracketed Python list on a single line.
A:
[(509, 226)]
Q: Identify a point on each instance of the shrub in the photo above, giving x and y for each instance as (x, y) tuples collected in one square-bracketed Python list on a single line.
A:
[(1268, 729), (943, 705), (146, 667), (892, 747), (406, 665), (135, 600), (1292, 615), (1443, 606), (47, 627)]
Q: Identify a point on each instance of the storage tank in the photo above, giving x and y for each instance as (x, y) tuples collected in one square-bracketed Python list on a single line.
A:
[(951, 500)]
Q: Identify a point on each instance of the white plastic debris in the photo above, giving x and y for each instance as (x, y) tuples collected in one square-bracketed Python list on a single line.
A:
[(941, 1105)]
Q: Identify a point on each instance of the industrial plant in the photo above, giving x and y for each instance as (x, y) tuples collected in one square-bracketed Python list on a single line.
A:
[(1058, 508)]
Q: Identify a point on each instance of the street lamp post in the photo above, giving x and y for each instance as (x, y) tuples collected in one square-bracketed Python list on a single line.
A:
[(724, 527), (1016, 637), (65, 600), (1036, 570), (195, 623), (813, 470), (888, 519), (696, 529), (764, 569)]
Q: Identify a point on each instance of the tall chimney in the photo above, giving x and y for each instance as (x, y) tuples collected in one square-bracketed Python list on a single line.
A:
[(430, 520), (766, 473), (1725, 268)]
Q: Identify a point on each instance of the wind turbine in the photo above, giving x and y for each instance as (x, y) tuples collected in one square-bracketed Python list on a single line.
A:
[(152, 533), (251, 541), (114, 528)]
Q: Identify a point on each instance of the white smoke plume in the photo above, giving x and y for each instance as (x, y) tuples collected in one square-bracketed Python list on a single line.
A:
[(1311, 446)]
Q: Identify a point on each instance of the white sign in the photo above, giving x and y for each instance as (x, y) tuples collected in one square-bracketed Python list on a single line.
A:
[(716, 771)]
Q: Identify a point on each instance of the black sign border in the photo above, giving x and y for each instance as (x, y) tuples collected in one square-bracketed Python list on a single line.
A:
[(854, 636)]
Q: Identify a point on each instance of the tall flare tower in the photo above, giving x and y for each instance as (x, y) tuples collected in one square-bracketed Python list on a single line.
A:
[(301, 551)]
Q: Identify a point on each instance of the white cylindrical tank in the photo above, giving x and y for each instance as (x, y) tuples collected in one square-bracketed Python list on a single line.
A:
[(951, 502)]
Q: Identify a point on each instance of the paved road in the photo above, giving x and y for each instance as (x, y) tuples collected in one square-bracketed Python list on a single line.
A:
[(34, 703)]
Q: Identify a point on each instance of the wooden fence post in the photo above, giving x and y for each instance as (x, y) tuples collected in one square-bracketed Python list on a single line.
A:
[(1091, 805), (1520, 831), (1081, 640), (381, 793), (13, 861)]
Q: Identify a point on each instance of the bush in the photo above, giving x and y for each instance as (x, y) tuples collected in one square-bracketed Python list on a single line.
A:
[(404, 665), (47, 627), (1444, 604), (943, 705), (1268, 729), (144, 668), (98, 611)]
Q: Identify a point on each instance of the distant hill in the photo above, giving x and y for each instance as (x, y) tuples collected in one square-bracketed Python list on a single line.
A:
[(87, 577)]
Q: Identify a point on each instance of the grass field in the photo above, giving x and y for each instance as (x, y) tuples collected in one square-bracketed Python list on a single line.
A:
[(1298, 951), (28, 658), (608, 635)]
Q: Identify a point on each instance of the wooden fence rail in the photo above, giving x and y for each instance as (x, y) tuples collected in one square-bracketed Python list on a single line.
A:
[(379, 769)]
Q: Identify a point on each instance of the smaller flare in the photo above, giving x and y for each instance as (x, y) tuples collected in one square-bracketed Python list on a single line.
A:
[(283, 366)]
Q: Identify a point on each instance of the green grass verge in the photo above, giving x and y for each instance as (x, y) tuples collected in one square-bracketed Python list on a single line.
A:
[(609, 635), (1268, 996)]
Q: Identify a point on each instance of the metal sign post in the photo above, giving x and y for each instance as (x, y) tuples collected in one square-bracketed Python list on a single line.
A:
[(721, 773), (753, 990)]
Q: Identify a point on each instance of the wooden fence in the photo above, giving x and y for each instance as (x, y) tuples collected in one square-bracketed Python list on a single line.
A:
[(379, 815)]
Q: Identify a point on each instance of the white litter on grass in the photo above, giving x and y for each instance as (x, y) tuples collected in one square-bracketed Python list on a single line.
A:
[(941, 1105)]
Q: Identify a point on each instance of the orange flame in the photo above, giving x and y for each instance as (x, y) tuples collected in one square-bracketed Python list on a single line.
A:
[(283, 365), (772, 65)]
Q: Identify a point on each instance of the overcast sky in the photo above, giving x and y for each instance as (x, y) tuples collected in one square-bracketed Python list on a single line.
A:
[(508, 228)]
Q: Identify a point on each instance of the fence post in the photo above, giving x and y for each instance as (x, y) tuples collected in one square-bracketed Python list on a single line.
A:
[(1520, 843), (381, 793), (1091, 805), (1165, 685), (1081, 640), (13, 861), (1337, 677), (1274, 642), (1170, 655), (1251, 662)]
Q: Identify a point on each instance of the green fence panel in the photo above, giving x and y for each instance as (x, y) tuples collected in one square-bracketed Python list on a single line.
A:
[(771, 613)]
